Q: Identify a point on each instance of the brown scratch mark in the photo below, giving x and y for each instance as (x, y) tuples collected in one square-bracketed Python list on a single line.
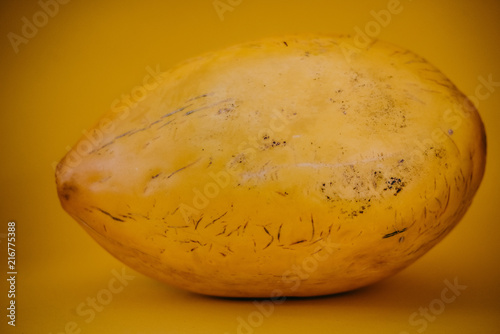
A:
[(319, 250), (439, 202), (279, 231), (298, 242), (209, 224), (448, 134), (132, 132), (174, 226), (447, 199), (216, 219), (104, 226), (198, 97), (196, 242), (317, 240), (245, 227), (462, 173), (182, 168), (176, 111), (197, 223), (110, 215), (330, 229), (446, 83), (206, 107), (122, 135), (223, 254), (165, 124), (220, 216), (272, 238), (223, 231), (466, 187), (393, 233), (236, 229), (103, 146), (313, 229)]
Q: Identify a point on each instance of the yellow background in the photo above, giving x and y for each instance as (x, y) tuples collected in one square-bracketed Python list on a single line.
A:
[(91, 52)]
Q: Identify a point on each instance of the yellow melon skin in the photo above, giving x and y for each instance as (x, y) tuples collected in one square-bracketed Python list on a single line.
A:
[(281, 167)]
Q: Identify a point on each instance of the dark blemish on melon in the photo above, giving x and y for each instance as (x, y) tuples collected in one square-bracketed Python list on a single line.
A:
[(67, 190), (395, 184)]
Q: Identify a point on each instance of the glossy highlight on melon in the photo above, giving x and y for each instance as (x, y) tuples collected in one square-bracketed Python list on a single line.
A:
[(280, 167)]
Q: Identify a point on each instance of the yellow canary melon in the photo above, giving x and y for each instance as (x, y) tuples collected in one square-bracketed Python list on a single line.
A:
[(292, 166)]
